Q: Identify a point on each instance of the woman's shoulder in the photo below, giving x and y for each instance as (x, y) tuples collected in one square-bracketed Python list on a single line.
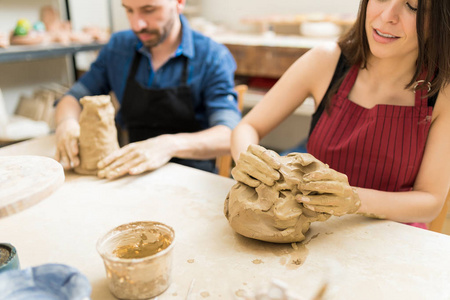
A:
[(325, 54), (319, 61), (442, 106), (318, 66)]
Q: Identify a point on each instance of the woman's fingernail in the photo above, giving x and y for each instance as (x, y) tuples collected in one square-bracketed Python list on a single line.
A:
[(305, 199), (310, 207)]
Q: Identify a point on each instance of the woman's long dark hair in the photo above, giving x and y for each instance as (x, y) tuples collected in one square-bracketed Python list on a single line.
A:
[(434, 44)]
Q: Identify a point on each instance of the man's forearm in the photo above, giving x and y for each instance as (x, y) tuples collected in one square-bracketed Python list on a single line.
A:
[(205, 144), (67, 108)]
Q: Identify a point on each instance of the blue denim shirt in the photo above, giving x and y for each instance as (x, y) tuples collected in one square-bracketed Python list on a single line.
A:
[(210, 74)]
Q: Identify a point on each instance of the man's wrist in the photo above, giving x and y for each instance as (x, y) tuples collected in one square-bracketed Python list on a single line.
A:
[(63, 120), (176, 144)]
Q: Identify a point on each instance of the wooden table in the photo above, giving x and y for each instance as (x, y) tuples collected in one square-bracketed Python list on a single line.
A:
[(360, 258)]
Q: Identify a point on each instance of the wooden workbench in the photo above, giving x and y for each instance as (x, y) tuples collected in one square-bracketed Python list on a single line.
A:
[(359, 258)]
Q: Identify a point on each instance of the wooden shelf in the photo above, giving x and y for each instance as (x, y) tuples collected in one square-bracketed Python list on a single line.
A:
[(27, 53), (264, 61)]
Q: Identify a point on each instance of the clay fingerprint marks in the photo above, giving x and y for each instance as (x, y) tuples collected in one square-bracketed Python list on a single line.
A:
[(271, 213), (265, 214), (98, 134)]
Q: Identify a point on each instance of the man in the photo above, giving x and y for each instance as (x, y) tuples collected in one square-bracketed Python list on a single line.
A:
[(175, 87)]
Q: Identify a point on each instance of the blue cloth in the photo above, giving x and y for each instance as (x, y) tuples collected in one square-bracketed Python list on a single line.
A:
[(45, 282), (210, 75)]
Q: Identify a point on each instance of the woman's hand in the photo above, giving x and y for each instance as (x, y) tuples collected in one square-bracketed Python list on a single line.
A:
[(257, 165), (137, 158), (328, 191)]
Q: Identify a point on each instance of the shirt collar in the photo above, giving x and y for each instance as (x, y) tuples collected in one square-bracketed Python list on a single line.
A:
[(186, 46)]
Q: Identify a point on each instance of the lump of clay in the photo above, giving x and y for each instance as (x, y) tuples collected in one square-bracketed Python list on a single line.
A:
[(272, 213), (98, 133)]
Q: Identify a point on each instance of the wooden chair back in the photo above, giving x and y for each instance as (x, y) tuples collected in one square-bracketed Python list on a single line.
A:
[(225, 163)]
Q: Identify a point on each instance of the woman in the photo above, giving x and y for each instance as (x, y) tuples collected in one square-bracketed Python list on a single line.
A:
[(383, 108)]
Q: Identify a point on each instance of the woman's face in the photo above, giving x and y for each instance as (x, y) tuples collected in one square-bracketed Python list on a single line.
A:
[(391, 28)]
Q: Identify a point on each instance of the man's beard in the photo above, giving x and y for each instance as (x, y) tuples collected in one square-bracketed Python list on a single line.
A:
[(160, 36), (158, 39)]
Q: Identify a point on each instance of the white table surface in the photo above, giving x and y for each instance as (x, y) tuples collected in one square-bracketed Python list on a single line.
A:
[(360, 258)]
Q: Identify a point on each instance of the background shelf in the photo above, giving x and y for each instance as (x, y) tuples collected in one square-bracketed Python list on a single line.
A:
[(27, 53)]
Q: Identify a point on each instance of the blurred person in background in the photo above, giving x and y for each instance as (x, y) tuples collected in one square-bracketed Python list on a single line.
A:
[(175, 88)]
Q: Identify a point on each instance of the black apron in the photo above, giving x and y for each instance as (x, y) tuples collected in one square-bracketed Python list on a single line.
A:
[(149, 112)]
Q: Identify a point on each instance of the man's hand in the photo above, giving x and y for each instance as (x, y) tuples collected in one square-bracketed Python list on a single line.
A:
[(257, 165), (328, 191), (67, 137), (137, 158)]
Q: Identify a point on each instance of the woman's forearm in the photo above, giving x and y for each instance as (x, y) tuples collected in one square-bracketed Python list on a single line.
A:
[(406, 207), (241, 137)]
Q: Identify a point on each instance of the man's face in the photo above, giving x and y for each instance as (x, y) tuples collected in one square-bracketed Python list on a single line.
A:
[(151, 20)]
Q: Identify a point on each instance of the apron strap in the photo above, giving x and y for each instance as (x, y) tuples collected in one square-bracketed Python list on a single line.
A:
[(134, 66), (184, 75)]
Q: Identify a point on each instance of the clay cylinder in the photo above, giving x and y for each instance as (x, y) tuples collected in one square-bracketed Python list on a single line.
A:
[(98, 133)]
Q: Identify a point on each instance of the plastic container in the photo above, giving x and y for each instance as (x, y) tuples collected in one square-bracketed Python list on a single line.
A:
[(138, 259), (9, 260)]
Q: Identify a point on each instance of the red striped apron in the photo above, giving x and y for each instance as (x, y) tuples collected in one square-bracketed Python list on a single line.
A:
[(379, 148)]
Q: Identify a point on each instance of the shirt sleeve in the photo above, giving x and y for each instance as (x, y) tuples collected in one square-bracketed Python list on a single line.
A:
[(218, 90), (95, 81)]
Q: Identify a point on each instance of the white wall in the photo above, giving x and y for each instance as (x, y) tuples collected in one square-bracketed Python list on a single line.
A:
[(89, 13), (231, 12), (85, 13), (118, 16)]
